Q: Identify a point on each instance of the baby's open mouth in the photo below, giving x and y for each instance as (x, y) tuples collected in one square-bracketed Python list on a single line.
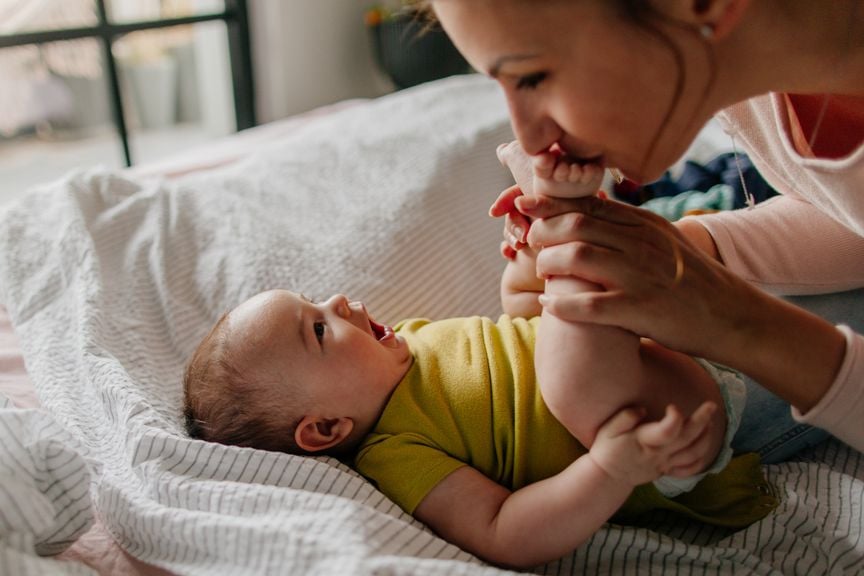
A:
[(379, 330)]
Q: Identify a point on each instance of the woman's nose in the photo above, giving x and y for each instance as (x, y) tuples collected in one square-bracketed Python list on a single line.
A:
[(535, 130)]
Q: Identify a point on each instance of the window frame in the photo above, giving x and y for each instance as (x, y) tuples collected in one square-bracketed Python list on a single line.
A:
[(236, 18)]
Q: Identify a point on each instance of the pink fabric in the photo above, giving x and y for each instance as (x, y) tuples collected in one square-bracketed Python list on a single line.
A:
[(761, 127), (784, 245), (810, 240), (842, 408)]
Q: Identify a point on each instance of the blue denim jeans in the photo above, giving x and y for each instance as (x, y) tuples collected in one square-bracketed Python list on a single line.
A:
[(767, 426)]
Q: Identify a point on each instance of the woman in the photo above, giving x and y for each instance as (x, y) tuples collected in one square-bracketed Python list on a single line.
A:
[(628, 84)]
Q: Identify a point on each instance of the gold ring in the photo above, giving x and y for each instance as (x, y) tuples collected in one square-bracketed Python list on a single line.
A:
[(679, 263)]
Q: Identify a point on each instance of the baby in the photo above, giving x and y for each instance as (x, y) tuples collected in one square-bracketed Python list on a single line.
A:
[(447, 419), (452, 420)]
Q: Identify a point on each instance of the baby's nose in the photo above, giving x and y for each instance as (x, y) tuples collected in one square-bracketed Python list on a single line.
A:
[(340, 304)]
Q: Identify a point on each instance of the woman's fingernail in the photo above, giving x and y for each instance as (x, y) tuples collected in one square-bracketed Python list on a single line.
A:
[(520, 233), (543, 299), (527, 202)]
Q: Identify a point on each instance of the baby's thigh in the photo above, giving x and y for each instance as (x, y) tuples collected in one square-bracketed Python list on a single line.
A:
[(586, 373)]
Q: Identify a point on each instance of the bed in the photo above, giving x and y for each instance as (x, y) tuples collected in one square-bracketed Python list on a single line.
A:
[(109, 279)]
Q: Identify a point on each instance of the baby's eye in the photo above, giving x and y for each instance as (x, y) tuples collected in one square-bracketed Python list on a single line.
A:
[(531, 81), (318, 327)]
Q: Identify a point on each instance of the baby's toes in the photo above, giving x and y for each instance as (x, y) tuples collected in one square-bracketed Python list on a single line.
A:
[(575, 173), (562, 171), (590, 173), (544, 165)]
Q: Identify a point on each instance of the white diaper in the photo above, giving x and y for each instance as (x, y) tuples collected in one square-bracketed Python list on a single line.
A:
[(734, 393)]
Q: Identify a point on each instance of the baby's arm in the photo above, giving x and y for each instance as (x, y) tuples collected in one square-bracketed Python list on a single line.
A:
[(545, 520)]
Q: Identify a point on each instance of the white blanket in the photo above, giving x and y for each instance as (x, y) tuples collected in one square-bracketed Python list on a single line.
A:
[(111, 283), (44, 492)]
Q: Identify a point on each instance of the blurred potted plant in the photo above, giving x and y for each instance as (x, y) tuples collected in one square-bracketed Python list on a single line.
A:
[(409, 48), (150, 72)]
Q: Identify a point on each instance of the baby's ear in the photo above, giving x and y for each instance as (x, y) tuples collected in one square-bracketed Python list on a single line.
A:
[(315, 434)]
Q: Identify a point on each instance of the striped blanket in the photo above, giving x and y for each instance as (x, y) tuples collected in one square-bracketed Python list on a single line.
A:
[(112, 281)]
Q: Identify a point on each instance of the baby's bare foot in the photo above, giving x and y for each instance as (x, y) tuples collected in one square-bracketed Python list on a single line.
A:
[(555, 174), (514, 158)]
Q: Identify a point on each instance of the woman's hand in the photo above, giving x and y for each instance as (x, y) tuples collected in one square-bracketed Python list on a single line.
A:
[(656, 282), (516, 224)]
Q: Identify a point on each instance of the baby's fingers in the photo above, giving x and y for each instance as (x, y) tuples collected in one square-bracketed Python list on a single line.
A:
[(664, 431), (506, 202), (622, 422), (507, 251), (699, 422), (516, 228), (691, 459)]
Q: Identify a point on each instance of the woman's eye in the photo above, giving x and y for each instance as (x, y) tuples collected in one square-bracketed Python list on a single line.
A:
[(319, 331), (531, 81)]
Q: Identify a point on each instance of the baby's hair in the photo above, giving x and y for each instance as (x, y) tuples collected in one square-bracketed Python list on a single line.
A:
[(222, 403)]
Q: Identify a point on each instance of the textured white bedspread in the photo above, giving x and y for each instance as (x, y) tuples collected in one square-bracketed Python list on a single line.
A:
[(111, 283)]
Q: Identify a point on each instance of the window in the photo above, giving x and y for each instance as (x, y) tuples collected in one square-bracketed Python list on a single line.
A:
[(115, 82)]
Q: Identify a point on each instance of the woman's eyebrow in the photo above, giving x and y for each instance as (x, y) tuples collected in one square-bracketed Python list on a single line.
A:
[(495, 69)]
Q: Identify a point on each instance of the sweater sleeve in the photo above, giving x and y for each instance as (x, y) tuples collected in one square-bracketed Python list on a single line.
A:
[(787, 246), (841, 410)]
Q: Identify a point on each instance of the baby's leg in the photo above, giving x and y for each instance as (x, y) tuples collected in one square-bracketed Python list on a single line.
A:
[(587, 373)]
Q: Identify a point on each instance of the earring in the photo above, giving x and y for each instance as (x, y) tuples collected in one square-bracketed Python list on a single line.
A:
[(707, 31)]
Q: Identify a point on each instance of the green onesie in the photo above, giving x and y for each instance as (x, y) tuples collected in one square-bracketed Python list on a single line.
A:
[(471, 398)]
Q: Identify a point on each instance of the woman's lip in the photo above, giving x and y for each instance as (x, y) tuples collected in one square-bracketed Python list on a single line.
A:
[(576, 158)]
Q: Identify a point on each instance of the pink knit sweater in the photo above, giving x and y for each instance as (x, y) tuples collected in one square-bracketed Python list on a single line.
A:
[(809, 240)]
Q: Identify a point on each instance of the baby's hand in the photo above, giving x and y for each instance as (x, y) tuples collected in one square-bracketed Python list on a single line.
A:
[(556, 174), (637, 453)]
